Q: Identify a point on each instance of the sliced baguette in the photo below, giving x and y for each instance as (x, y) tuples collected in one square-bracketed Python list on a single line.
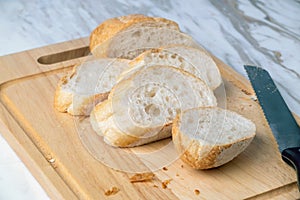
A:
[(128, 36), (192, 60), (210, 137), (141, 109), (88, 84)]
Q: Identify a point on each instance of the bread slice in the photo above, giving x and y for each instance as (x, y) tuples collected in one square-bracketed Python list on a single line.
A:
[(141, 109), (210, 137), (128, 36), (192, 60), (88, 84)]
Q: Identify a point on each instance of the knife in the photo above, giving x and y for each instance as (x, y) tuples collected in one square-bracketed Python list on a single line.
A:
[(281, 121)]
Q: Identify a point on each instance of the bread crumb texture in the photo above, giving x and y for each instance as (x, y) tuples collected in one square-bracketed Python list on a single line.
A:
[(143, 177), (112, 191)]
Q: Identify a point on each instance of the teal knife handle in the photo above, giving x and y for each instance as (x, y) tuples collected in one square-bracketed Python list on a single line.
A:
[(292, 157)]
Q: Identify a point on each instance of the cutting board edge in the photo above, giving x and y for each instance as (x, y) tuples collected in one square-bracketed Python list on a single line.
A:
[(33, 159)]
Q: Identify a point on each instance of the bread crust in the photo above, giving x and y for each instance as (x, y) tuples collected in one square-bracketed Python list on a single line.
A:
[(111, 27)]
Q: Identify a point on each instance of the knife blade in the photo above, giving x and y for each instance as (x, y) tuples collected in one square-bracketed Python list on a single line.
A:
[(281, 121)]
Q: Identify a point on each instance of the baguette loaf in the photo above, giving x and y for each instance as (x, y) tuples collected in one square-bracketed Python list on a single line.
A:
[(128, 36), (141, 109), (192, 60), (210, 137), (88, 84)]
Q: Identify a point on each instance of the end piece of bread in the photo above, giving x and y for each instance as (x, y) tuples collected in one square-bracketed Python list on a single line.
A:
[(88, 84), (111, 27), (192, 60), (210, 137), (128, 36), (141, 109)]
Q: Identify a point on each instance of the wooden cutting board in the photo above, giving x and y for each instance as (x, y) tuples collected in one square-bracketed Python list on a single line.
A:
[(48, 143)]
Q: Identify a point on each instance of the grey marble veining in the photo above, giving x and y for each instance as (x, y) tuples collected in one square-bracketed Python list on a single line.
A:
[(274, 40), (260, 32), (264, 33)]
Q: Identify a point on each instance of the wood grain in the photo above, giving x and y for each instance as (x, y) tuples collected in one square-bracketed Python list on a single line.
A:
[(49, 144)]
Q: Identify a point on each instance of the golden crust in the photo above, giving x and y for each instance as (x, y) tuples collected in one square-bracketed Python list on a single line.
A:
[(111, 27)]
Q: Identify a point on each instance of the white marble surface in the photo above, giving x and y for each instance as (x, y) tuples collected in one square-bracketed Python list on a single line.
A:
[(264, 33)]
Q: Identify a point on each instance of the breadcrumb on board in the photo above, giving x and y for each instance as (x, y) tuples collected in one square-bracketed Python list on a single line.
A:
[(165, 183), (112, 191), (143, 177), (197, 192)]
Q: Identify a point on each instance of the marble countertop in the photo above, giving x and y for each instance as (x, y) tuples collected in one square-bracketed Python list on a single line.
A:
[(263, 33)]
